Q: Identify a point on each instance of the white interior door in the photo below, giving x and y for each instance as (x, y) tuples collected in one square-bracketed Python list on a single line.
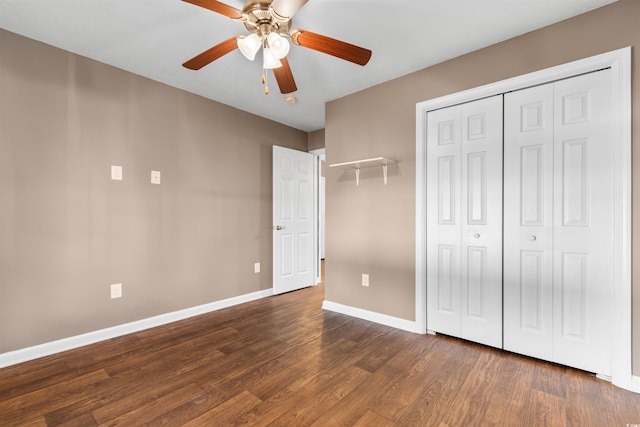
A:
[(583, 219), (464, 221), (444, 130), (481, 234), (292, 220), (559, 222), (528, 221)]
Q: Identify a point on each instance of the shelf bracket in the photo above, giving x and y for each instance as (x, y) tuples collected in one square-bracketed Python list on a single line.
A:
[(366, 163)]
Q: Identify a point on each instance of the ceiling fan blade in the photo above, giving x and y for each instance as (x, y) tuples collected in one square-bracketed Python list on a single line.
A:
[(210, 55), (283, 10), (337, 48), (219, 7), (284, 77)]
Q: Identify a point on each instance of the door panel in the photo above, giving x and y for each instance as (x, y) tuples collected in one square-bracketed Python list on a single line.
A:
[(528, 222), (531, 305), (574, 297), (286, 255), (583, 233), (481, 229), (558, 222), (464, 221), (477, 282), (447, 190), (292, 220), (447, 275), (575, 182), (304, 255), (443, 221), (477, 188), (532, 185)]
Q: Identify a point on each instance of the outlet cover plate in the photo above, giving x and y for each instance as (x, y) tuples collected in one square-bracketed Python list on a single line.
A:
[(116, 290), (116, 173), (365, 279)]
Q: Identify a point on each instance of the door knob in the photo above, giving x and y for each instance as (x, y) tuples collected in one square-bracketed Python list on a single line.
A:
[(532, 237), (279, 227), (477, 235)]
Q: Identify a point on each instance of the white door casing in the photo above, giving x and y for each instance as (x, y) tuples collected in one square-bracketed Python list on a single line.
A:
[(318, 210), (293, 221), (321, 215), (464, 221)]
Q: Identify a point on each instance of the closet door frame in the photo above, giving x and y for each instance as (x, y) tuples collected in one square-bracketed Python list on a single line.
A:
[(619, 61)]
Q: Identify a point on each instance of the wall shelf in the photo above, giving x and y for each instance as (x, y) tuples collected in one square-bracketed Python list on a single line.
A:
[(366, 163)]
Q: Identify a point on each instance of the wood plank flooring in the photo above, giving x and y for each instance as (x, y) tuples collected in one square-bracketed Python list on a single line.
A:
[(282, 361)]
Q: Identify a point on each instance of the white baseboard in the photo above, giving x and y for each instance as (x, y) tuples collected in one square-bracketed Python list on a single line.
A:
[(635, 384), (47, 349), (372, 316)]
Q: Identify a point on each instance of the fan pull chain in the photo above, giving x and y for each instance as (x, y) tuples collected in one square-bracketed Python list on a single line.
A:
[(264, 81)]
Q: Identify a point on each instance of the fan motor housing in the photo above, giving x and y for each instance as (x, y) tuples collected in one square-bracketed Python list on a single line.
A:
[(260, 19)]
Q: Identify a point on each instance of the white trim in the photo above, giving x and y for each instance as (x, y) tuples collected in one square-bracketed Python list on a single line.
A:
[(421, 221), (317, 157), (371, 316), (620, 63), (47, 349), (635, 384), (621, 374)]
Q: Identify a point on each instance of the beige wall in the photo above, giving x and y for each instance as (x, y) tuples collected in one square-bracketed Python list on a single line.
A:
[(315, 140), (67, 231), (371, 229)]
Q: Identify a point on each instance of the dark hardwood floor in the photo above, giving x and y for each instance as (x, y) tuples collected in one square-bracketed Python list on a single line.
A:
[(284, 361)]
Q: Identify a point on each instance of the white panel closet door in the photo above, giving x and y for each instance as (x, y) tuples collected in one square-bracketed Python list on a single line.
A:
[(464, 221), (444, 131), (528, 221), (583, 219), (481, 234), (559, 222)]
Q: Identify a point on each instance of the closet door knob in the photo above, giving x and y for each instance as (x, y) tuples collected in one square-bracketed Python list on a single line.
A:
[(477, 235), (532, 237)]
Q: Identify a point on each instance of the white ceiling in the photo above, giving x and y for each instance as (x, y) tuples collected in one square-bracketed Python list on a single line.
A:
[(152, 38)]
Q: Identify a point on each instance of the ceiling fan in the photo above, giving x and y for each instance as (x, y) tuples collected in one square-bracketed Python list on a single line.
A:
[(268, 23)]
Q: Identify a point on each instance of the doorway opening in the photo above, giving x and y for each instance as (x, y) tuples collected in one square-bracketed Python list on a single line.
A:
[(319, 212)]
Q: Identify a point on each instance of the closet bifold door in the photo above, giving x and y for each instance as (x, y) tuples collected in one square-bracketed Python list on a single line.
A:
[(528, 221), (558, 223), (583, 222), (464, 221)]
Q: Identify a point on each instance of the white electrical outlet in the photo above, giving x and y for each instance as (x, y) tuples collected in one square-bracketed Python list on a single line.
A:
[(155, 177), (256, 267), (116, 290), (365, 279), (116, 173)]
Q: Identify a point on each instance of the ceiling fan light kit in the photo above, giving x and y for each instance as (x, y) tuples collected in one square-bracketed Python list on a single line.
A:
[(249, 45), (279, 45), (268, 23), (270, 61)]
